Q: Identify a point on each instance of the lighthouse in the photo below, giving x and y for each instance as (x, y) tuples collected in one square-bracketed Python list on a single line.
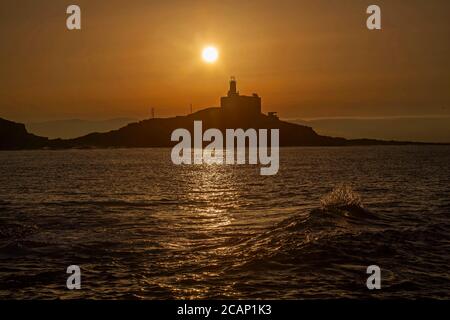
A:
[(233, 87), (239, 105)]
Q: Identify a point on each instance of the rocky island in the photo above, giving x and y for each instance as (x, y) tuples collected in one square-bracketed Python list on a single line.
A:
[(236, 111)]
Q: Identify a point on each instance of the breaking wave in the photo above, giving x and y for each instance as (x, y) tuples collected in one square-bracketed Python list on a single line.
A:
[(341, 198)]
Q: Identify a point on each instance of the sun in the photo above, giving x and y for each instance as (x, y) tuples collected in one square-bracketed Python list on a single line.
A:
[(210, 54)]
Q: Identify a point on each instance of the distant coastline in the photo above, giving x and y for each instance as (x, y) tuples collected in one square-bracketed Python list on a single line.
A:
[(434, 129), (236, 111), (156, 133), (74, 128)]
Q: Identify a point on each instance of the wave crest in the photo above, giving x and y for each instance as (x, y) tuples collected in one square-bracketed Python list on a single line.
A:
[(341, 198)]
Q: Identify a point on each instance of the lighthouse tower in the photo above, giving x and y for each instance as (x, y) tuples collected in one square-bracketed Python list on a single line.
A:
[(233, 87)]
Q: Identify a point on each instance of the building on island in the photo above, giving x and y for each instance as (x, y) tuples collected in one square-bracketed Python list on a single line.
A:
[(236, 104)]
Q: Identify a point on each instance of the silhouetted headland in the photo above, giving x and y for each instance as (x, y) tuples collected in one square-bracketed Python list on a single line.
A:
[(236, 111), (14, 136)]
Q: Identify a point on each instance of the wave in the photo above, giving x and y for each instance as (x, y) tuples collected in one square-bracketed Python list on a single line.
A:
[(112, 203), (342, 198), (16, 231), (340, 217), (338, 240)]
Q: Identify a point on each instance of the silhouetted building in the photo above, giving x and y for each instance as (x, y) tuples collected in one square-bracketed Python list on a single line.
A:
[(242, 106), (273, 115)]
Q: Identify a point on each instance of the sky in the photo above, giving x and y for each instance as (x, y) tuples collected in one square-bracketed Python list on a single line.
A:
[(305, 58)]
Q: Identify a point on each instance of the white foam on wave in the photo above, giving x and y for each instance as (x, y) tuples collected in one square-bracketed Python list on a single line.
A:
[(341, 197)]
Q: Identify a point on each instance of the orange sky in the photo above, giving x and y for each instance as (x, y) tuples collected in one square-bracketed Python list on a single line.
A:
[(309, 58)]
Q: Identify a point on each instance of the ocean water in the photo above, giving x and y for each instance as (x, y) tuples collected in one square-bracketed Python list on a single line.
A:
[(141, 228)]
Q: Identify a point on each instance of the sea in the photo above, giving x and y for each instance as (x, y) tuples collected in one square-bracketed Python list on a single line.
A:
[(140, 227)]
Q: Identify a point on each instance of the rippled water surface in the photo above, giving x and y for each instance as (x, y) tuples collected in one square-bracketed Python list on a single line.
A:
[(140, 227)]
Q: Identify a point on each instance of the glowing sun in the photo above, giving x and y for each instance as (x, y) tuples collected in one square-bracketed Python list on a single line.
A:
[(210, 54)]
